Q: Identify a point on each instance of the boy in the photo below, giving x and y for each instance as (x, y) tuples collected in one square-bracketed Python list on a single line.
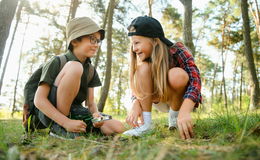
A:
[(60, 91)]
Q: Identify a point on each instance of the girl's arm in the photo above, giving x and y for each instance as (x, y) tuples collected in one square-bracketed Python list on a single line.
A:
[(44, 105)]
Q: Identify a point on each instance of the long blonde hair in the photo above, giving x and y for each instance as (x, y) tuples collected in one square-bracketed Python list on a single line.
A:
[(159, 68)]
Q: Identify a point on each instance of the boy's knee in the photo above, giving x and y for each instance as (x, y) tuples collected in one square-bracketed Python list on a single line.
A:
[(73, 67), (178, 78)]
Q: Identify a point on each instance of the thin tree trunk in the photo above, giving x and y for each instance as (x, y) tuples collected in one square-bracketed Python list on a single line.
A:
[(18, 17), (19, 67), (150, 4), (213, 83), (187, 25), (241, 87), (7, 12), (105, 88), (254, 97), (223, 61), (256, 15), (234, 81), (103, 26), (73, 9)]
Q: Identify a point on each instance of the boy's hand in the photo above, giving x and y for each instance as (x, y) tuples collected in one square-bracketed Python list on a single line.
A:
[(135, 113), (97, 124), (185, 125), (75, 126)]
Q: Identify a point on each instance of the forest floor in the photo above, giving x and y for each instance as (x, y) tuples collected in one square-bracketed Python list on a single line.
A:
[(218, 136)]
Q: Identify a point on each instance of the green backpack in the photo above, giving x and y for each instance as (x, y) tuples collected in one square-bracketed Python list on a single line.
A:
[(28, 107)]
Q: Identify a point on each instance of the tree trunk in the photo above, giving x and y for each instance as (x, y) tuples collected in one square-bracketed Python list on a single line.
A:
[(18, 17), (241, 87), (223, 61), (187, 25), (213, 83), (73, 9), (7, 11), (105, 88), (19, 67), (256, 15), (234, 81), (254, 97), (103, 26), (150, 4)]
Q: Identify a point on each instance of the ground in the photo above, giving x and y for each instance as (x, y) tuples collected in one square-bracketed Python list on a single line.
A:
[(218, 136)]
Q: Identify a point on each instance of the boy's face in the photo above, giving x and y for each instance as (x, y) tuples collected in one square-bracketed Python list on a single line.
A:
[(142, 46), (88, 46)]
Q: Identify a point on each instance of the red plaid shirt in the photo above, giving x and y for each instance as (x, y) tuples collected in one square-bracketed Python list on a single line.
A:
[(181, 57)]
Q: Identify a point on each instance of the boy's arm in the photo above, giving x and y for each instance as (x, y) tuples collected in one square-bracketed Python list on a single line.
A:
[(92, 106), (44, 105)]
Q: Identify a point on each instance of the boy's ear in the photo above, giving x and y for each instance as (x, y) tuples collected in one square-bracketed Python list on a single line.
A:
[(74, 42)]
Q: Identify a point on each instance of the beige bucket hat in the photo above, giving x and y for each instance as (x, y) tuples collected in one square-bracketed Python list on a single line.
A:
[(81, 26)]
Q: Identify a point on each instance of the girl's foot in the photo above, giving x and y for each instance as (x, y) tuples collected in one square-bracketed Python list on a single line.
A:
[(172, 119), (138, 131)]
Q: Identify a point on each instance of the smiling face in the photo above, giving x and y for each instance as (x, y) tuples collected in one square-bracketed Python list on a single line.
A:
[(87, 46), (142, 46)]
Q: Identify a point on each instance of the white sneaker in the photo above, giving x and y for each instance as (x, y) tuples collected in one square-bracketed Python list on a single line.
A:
[(138, 131), (172, 120)]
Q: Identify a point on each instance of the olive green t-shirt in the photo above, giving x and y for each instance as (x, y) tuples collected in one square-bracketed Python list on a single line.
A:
[(51, 69)]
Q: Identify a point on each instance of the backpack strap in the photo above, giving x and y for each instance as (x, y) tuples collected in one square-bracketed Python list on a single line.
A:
[(90, 73), (63, 60)]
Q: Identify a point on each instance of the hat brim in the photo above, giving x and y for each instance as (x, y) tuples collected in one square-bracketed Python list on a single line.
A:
[(166, 41)]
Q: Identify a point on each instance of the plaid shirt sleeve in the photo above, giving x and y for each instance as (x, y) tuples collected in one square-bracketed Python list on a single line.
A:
[(186, 62)]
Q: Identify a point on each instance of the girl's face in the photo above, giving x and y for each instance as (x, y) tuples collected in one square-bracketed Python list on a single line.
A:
[(142, 46), (88, 46)]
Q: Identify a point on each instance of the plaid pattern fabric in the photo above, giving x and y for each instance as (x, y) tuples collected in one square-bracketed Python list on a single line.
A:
[(181, 57)]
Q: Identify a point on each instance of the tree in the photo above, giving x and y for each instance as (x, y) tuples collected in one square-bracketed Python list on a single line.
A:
[(105, 88), (187, 25), (18, 17), (7, 11), (150, 6), (19, 68), (254, 100)]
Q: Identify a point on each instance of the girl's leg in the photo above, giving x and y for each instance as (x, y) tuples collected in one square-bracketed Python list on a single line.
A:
[(112, 126), (145, 87), (68, 83), (178, 80)]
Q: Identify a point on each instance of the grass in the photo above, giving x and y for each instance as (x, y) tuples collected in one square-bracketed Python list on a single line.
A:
[(218, 136)]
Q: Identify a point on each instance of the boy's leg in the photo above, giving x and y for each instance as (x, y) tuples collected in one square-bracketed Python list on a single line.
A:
[(111, 127), (68, 83)]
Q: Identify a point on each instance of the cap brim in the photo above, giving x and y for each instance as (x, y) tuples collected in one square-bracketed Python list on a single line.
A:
[(166, 41)]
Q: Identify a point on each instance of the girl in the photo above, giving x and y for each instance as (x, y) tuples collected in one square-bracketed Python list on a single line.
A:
[(57, 92), (163, 75)]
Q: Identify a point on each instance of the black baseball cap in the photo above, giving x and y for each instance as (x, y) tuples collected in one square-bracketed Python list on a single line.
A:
[(148, 27)]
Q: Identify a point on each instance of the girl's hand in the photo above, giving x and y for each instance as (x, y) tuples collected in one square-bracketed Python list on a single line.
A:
[(134, 114), (97, 124), (185, 125), (75, 126)]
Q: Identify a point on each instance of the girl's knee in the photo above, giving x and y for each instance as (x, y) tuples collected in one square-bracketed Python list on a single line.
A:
[(178, 78), (143, 70)]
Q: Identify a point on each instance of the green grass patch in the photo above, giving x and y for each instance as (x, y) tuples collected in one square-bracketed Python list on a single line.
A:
[(218, 136)]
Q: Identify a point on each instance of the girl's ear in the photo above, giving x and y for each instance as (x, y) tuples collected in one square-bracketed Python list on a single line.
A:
[(155, 41)]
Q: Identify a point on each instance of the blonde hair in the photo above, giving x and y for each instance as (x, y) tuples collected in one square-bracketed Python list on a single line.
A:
[(159, 68)]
